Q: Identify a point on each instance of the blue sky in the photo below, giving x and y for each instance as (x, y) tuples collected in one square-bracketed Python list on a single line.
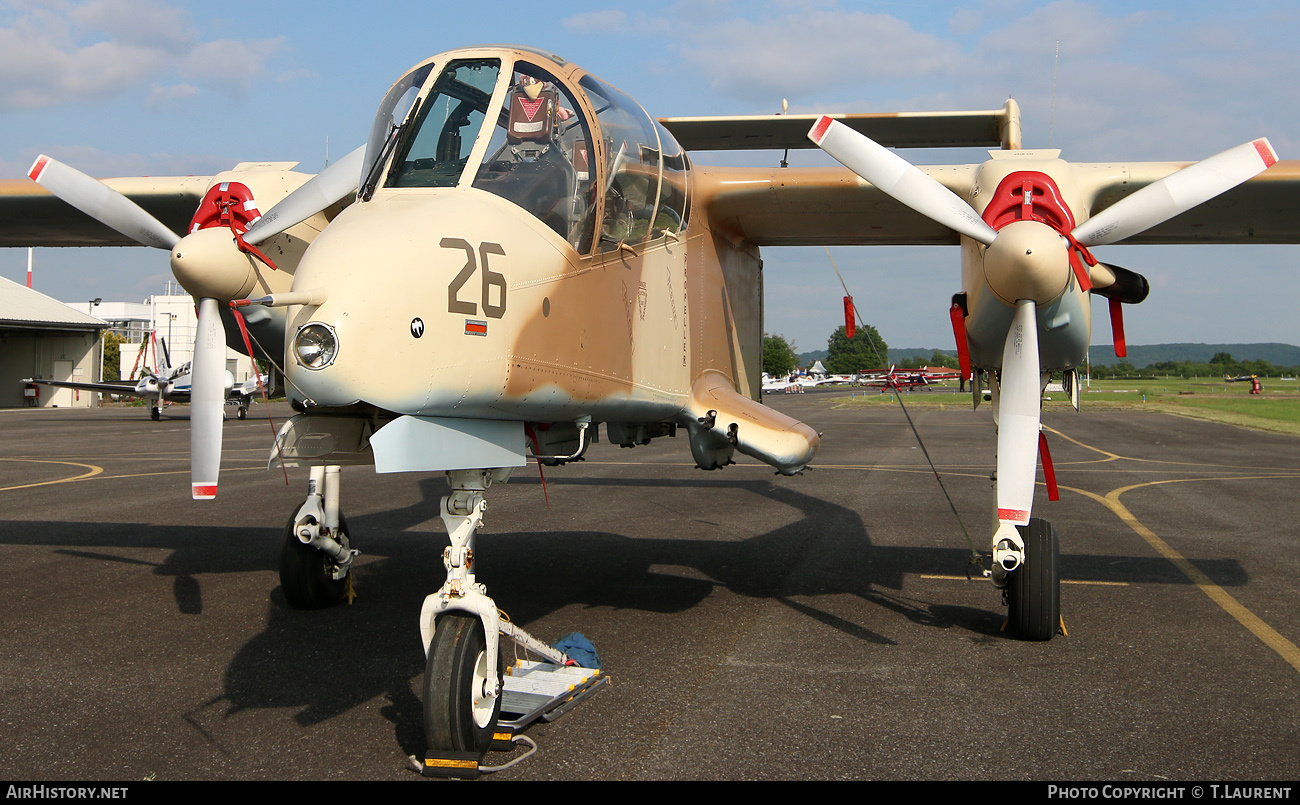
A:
[(163, 87)]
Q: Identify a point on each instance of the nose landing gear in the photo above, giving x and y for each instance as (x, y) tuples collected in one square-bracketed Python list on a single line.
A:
[(466, 689)]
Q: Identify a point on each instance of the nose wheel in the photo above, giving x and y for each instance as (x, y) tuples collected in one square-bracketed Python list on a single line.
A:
[(461, 701), (1034, 589)]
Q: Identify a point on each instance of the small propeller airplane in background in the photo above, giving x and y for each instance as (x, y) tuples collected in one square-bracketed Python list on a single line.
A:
[(525, 254), (896, 380), (161, 387), (795, 383)]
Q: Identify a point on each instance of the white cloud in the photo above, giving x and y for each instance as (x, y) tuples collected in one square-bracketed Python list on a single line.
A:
[(64, 52), (814, 53), (597, 22), (229, 63), (142, 23), (162, 96)]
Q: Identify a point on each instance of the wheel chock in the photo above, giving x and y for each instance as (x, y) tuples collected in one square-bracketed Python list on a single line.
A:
[(503, 740), (448, 765)]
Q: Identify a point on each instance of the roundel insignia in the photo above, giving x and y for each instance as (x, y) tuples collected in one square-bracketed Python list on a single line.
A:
[(417, 327)]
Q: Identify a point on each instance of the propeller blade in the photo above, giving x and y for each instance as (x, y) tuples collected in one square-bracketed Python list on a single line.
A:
[(900, 179), (101, 202), (1018, 417), (319, 192), (1176, 193), (207, 400)]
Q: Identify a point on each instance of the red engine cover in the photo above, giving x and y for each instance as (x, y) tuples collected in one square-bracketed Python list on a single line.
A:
[(227, 204)]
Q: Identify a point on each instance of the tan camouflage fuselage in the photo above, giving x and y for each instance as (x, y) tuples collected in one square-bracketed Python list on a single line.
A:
[(454, 302)]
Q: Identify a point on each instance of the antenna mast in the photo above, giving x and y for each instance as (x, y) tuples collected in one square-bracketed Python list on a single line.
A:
[(1056, 62)]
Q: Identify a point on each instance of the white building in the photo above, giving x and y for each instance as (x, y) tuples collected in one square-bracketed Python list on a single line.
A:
[(173, 321)]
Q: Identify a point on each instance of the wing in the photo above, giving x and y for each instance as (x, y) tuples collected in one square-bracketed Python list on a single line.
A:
[(127, 390), (818, 207), (31, 216), (1265, 209), (834, 207)]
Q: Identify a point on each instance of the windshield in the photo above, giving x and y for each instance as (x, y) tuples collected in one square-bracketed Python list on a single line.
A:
[(393, 112), (434, 152), (540, 148)]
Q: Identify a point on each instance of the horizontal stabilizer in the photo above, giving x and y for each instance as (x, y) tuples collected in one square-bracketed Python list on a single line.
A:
[(980, 129)]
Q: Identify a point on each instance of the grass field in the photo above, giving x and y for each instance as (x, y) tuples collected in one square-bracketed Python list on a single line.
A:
[(1276, 409)]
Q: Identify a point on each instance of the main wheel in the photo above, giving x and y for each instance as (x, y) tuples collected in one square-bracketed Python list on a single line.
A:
[(459, 716), (307, 574), (1034, 589), (243, 412)]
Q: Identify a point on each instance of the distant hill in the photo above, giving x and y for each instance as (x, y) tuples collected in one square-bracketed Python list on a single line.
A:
[(807, 359), (1139, 356)]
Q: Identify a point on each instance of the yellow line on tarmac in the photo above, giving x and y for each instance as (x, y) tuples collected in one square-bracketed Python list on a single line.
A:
[(1109, 455), (1267, 634), (92, 471), (942, 577), (1270, 637), (98, 471)]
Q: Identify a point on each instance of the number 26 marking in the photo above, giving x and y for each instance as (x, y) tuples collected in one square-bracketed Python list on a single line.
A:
[(490, 278)]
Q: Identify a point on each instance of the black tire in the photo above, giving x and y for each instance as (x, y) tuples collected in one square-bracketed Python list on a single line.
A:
[(155, 413), (243, 412), (1034, 589), (307, 575), (453, 679)]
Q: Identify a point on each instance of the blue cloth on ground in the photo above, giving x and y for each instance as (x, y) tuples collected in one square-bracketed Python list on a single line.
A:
[(579, 649)]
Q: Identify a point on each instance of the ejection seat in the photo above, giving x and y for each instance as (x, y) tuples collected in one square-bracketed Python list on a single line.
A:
[(531, 169)]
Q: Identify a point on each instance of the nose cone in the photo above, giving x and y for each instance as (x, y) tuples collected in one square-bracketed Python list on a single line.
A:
[(207, 263), (1028, 260), (428, 293)]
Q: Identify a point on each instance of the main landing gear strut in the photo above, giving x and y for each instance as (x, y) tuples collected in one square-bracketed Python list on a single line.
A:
[(316, 554)]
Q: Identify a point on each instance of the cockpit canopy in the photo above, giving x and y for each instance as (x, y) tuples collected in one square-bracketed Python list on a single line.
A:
[(526, 126)]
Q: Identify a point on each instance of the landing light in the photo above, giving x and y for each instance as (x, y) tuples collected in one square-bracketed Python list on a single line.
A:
[(315, 346)]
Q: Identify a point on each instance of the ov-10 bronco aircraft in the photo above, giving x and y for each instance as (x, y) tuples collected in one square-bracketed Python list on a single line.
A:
[(524, 254)]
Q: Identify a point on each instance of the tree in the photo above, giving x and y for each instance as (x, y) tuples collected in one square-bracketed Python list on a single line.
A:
[(865, 352), (112, 368), (937, 358), (778, 355), (946, 361)]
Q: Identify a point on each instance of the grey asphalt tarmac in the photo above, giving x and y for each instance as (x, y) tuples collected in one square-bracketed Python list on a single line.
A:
[(753, 626)]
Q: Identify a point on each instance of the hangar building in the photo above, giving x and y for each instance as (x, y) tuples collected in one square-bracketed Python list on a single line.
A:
[(42, 337)]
